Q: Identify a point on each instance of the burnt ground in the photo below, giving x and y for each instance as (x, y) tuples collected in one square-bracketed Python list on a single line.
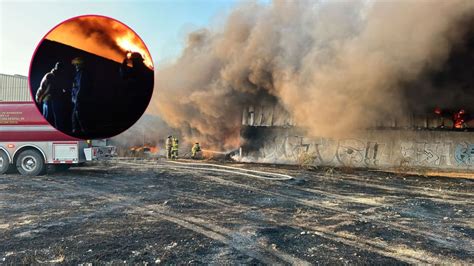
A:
[(156, 212)]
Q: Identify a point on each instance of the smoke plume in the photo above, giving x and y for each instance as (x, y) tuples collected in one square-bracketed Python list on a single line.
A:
[(148, 130), (334, 66)]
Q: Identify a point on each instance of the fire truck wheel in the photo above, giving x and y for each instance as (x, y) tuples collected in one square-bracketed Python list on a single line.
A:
[(30, 163), (4, 163)]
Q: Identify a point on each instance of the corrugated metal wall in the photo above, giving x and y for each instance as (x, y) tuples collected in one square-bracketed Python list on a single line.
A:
[(267, 116), (14, 88)]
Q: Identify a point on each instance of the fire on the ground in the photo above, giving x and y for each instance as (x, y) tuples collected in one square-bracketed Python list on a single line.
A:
[(143, 150)]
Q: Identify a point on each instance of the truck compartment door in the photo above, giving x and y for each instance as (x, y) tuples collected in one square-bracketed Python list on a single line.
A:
[(65, 153)]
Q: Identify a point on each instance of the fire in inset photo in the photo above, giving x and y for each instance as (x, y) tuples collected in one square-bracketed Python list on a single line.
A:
[(92, 77)]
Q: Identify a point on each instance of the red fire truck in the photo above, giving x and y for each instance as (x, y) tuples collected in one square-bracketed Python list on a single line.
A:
[(27, 141)]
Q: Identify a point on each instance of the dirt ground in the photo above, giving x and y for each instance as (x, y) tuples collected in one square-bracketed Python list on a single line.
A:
[(149, 212)]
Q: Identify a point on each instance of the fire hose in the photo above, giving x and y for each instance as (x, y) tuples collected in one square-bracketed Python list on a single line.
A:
[(232, 170)]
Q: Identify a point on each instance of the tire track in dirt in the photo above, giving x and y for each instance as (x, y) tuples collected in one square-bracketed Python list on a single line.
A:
[(223, 235), (374, 247), (343, 237), (211, 230), (431, 196), (405, 188), (452, 197), (401, 253), (408, 189), (379, 246), (125, 202), (370, 200), (71, 188), (360, 180), (384, 248), (444, 240), (444, 196), (216, 232)]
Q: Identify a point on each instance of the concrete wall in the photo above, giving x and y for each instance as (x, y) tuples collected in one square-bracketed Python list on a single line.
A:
[(447, 150)]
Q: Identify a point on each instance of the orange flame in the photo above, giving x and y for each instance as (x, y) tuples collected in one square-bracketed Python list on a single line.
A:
[(154, 150), (102, 36), (459, 119), (144, 148)]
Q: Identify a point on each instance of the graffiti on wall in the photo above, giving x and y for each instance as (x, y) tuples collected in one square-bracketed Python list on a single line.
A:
[(464, 154), (353, 152), (432, 154), (362, 153), (349, 152)]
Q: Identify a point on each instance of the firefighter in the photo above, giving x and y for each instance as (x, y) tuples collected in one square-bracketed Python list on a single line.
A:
[(195, 149), (138, 69), (81, 90), (169, 145), (139, 82), (49, 94), (174, 149)]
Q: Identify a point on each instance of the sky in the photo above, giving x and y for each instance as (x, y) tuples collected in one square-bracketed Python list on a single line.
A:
[(162, 24)]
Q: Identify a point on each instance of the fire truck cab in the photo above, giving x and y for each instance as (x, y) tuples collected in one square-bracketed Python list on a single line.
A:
[(28, 143)]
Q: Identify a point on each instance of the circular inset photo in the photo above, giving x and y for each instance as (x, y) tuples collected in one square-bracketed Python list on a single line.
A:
[(91, 77)]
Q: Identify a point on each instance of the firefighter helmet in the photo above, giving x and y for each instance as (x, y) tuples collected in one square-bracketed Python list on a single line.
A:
[(462, 111), (78, 61), (136, 56)]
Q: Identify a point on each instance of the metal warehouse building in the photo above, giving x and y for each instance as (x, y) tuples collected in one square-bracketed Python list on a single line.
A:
[(14, 88)]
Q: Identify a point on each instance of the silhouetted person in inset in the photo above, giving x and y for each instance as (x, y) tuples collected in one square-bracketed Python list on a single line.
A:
[(138, 70), (139, 83), (81, 90), (51, 95)]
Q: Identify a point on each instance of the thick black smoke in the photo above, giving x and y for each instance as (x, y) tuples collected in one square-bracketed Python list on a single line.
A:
[(451, 85), (335, 66)]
